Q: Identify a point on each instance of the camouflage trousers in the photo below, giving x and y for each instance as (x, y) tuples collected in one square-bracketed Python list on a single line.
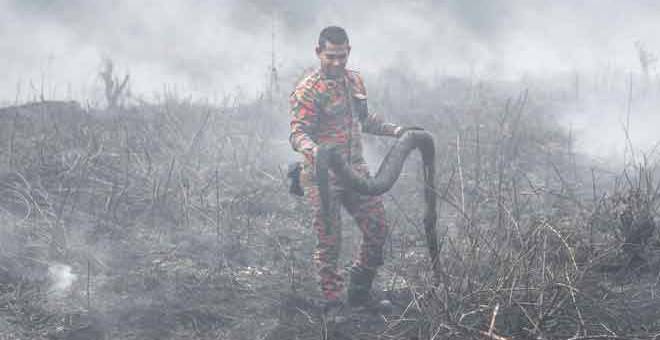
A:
[(369, 214)]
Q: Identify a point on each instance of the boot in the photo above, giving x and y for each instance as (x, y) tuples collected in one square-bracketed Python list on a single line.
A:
[(359, 287), (334, 312)]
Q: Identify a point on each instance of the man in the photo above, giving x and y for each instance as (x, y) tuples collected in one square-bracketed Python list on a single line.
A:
[(330, 106)]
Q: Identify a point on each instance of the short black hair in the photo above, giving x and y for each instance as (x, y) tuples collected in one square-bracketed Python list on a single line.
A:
[(333, 34)]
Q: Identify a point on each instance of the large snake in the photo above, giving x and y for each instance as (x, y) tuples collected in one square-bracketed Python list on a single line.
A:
[(328, 157)]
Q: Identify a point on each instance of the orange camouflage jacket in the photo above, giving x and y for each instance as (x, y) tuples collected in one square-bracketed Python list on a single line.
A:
[(322, 114)]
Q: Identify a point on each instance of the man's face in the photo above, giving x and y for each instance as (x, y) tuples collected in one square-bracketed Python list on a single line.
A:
[(333, 58)]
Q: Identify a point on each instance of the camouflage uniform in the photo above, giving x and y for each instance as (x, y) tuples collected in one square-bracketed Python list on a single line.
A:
[(322, 114)]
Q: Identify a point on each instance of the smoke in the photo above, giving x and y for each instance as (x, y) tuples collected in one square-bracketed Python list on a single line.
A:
[(62, 279), (209, 48)]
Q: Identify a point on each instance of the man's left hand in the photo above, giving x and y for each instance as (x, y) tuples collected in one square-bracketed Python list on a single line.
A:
[(401, 130)]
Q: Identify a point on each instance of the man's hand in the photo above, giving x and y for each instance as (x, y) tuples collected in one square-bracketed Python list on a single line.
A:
[(401, 130), (310, 154)]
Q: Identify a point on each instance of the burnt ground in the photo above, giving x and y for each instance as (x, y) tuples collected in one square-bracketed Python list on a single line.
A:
[(172, 220)]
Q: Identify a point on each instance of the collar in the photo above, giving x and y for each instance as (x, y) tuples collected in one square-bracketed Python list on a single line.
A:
[(326, 77)]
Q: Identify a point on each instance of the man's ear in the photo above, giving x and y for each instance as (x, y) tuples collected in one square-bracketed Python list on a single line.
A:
[(349, 49), (318, 50)]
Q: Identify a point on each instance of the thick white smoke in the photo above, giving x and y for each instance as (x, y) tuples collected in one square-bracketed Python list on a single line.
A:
[(61, 279), (212, 48)]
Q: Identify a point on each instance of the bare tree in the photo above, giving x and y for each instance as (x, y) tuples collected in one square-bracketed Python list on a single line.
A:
[(647, 61), (113, 87)]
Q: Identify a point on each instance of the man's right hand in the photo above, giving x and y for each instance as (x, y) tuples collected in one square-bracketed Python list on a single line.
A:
[(310, 155)]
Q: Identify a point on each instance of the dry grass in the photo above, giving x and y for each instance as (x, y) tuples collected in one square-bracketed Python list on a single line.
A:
[(175, 221)]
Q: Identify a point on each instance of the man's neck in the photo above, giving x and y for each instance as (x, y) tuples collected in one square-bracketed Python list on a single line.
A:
[(338, 77)]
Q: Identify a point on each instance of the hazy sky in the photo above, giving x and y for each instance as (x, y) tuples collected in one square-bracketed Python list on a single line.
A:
[(214, 47)]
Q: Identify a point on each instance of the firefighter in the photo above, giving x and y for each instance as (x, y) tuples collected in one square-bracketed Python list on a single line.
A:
[(329, 105)]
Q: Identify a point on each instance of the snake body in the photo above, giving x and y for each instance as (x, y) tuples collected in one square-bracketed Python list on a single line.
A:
[(328, 157)]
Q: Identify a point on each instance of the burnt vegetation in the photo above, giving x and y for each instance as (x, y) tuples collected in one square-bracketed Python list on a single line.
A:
[(171, 219)]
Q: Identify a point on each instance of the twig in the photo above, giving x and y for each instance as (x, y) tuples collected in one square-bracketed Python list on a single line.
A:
[(492, 320), (89, 283), (460, 170), (541, 295), (577, 309), (493, 336), (594, 337), (306, 314), (484, 333), (561, 238)]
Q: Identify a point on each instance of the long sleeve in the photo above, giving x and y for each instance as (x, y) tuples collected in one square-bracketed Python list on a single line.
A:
[(304, 121), (371, 122), (374, 124)]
